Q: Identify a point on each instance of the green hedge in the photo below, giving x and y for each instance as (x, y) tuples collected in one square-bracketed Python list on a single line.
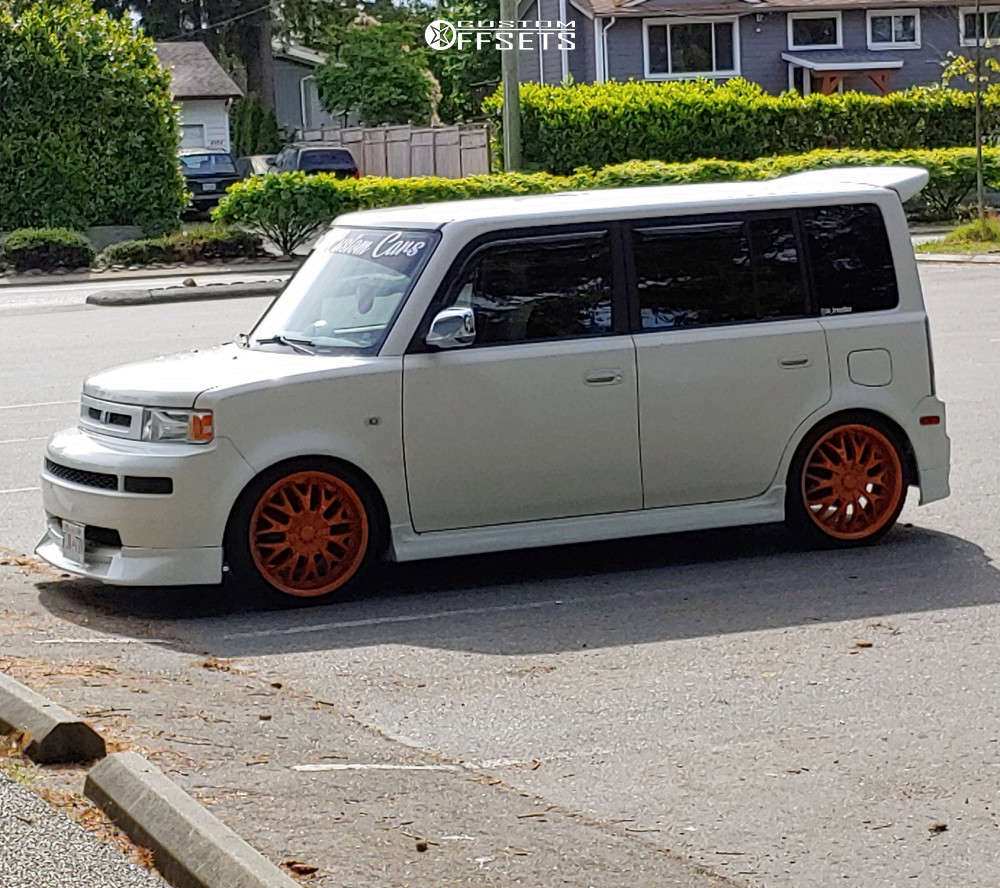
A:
[(195, 246), (46, 249), (88, 132), (600, 124), (288, 208)]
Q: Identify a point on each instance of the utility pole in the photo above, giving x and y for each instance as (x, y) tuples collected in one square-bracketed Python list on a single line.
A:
[(511, 93), (981, 32)]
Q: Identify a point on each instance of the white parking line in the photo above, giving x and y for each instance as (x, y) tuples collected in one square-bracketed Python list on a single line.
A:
[(366, 766), (22, 440), (37, 404), (413, 618), (19, 490)]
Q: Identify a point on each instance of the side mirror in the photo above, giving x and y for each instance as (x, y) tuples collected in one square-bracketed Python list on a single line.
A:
[(452, 328)]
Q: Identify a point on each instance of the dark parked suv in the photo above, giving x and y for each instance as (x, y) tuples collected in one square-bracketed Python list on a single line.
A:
[(208, 174), (316, 157)]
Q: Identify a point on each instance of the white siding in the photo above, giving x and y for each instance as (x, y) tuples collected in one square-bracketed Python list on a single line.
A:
[(213, 116)]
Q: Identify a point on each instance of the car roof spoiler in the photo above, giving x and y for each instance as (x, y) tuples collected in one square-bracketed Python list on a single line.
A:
[(906, 181)]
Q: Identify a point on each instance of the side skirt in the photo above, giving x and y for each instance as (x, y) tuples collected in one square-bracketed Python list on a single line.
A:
[(765, 509)]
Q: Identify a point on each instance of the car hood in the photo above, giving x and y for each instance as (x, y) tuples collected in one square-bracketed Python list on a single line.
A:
[(178, 380)]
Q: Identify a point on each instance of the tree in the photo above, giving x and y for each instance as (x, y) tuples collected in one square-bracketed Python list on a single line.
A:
[(980, 71), (467, 76), (376, 72), (88, 133)]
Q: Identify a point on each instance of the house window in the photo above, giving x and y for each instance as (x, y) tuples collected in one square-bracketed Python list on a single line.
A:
[(679, 48), (989, 24), (309, 97), (192, 135), (815, 30), (893, 28)]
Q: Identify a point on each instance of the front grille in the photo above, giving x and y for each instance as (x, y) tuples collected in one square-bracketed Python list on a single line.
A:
[(84, 478), (137, 484), (102, 536)]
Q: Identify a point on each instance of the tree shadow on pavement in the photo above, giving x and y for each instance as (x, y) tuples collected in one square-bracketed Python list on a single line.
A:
[(562, 598)]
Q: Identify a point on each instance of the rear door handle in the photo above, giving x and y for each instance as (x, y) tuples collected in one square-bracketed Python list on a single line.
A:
[(604, 377), (796, 361)]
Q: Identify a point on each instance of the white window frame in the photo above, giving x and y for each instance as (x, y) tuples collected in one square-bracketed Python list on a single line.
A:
[(971, 10), (893, 44), (194, 126), (647, 23), (825, 14)]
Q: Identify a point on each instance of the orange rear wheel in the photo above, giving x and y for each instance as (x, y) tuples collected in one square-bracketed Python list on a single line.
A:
[(852, 482), (309, 533)]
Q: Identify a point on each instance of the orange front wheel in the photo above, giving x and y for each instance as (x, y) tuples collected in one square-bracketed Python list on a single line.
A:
[(304, 530)]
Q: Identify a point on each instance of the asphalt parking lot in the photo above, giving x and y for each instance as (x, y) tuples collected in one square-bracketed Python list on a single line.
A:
[(710, 708)]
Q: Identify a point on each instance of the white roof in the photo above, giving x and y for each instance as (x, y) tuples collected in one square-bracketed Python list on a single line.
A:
[(625, 202)]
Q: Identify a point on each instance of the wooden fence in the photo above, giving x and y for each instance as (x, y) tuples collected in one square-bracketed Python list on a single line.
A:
[(401, 151)]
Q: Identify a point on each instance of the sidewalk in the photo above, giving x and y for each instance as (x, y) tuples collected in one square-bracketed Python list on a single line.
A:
[(266, 266), (43, 847)]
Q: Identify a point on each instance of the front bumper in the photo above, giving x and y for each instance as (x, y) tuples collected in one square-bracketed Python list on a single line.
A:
[(142, 538)]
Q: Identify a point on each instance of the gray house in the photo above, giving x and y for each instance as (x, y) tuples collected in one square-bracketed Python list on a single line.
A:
[(807, 45)]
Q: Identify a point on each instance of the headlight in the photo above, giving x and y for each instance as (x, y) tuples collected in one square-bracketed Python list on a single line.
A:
[(193, 426)]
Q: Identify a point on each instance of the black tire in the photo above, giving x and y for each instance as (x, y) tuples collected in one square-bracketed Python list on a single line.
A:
[(251, 553), (860, 468)]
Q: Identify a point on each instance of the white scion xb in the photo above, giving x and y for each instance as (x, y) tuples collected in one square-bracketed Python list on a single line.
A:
[(493, 374)]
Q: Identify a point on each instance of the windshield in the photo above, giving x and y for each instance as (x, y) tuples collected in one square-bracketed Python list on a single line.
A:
[(316, 161), (206, 164), (348, 292)]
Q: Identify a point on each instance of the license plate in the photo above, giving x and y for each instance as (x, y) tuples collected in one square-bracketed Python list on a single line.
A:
[(73, 546), (208, 186)]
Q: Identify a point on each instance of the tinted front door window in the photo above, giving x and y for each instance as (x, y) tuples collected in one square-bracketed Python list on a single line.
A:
[(541, 288)]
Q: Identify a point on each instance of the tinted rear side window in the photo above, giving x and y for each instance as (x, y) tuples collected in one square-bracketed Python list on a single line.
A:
[(318, 160), (852, 268), (693, 275)]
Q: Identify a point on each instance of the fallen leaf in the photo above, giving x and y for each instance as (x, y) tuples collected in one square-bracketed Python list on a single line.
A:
[(300, 868), (264, 716), (862, 644), (938, 827)]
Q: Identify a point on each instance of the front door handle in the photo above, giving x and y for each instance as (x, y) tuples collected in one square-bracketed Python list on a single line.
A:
[(604, 377), (796, 361)]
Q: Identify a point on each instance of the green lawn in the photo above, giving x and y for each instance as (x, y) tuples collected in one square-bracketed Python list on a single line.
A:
[(973, 237)]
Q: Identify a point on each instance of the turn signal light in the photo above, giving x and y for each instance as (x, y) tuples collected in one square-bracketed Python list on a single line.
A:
[(201, 427), (930, 420)]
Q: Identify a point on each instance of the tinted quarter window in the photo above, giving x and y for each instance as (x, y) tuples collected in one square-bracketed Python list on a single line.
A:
[(852, 268), (540, 288)]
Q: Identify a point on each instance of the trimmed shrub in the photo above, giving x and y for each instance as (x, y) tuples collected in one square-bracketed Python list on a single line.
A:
[(46, 249), (253, 129), (601, 124), (288, 208), (194, 246), (88, 134)]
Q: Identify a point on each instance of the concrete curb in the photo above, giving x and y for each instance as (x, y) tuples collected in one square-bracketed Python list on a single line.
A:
[(191, 847), (55, 735), (961, 258), (185, 294)]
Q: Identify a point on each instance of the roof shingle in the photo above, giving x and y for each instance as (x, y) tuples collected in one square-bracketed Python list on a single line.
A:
[(194, 72)]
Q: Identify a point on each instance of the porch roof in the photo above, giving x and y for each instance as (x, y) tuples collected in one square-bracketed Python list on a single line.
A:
[(835, 60), (742, 7)]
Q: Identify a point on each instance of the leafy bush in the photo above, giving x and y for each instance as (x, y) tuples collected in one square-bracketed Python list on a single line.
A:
[(88, 134), (46, 249), (194, 246), (600, 124), (289, 208)]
